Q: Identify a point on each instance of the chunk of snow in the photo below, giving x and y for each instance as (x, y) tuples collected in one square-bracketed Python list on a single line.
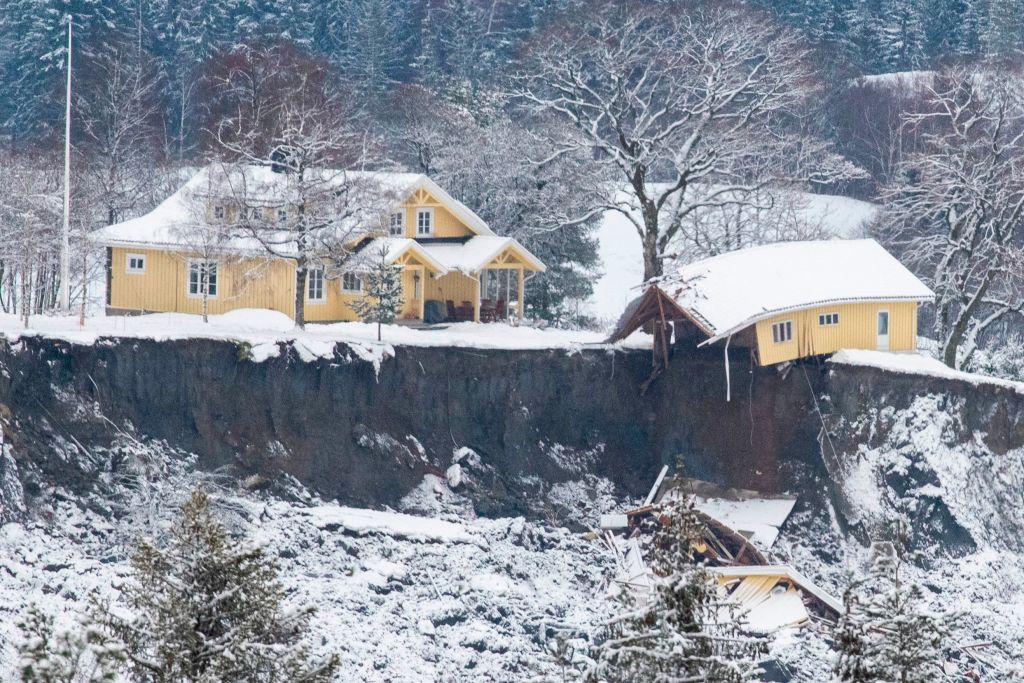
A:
[(758, 519), (454, 475), (360, 521), (778, 611)]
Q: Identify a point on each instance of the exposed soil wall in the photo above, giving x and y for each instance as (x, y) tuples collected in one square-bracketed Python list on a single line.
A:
[(533, 417)]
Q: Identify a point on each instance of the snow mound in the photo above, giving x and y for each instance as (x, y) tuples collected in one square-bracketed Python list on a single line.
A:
[(252, 320), (397, 525)]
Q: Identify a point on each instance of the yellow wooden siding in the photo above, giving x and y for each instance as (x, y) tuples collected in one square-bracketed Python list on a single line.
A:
[(446, 223), (336, 305), (857, 329), (252, 283)]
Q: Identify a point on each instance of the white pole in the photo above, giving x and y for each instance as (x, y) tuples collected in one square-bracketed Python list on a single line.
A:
[(65, 247), (728, 384)]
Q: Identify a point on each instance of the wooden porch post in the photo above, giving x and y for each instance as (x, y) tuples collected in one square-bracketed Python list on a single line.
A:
[(476, 295), (522, 287), (421, 273)]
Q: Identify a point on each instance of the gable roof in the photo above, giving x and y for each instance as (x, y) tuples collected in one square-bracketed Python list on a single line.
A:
[(394, 248), (476, 252), (732, 291), (166, 225)]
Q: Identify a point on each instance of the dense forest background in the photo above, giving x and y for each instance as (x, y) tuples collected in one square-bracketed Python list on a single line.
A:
[(436, 87)]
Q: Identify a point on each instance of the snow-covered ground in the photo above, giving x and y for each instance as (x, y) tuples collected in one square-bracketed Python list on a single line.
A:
[(401, 598), (621, 253), (918, 364), (263, 329)]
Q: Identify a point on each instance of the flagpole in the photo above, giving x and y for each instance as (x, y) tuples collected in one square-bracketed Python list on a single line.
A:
[(65, 247)]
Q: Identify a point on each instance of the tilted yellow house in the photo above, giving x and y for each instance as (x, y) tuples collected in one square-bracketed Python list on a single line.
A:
[(786, 301), (453, 265)]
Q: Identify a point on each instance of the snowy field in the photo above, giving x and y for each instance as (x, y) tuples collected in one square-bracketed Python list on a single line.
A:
[(263, 329)]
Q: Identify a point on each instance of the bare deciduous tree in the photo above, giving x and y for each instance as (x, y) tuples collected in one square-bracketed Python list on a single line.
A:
[(956, 218), (670, 98), (296, 158), (117, 109)]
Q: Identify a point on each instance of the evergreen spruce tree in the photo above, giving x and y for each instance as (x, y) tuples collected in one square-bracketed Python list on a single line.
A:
[(208, 608), (34, 36), (382, 289), (902, 35), (884, 633), (375, 47), (1004, 32), (81, 655), (684, 630)]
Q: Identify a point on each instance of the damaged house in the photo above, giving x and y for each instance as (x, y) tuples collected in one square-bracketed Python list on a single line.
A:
[(783, 302)]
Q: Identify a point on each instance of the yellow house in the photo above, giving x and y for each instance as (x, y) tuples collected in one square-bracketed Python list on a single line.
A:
[(453, 265), (786, 301)]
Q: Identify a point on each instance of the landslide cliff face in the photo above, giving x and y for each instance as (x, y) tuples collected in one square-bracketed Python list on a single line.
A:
[(365, 435)]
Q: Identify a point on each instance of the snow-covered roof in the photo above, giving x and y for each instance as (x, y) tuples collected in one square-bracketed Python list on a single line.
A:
[(732, 291), (475, 253), (395, 247), (172, 223)]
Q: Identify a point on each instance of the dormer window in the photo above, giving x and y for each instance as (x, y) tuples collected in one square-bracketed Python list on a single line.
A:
[(396, 227), (282, 215), (254, 213), (218, 212), (424, 222)]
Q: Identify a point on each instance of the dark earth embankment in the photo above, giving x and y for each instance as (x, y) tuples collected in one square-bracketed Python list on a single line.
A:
[(534, 417)]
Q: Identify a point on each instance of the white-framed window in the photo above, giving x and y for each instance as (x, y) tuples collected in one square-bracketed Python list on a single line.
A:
[(424, 221), (350, 282), (219, 212), (396, 226), (782, 332), (282, 215), (135, 264), (202, 278), (254, 213), (315, 285), (828, 319)]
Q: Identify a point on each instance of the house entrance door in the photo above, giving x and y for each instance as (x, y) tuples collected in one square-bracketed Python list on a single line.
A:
[(883, 331)]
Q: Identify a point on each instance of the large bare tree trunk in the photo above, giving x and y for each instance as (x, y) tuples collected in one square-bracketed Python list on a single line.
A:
[(652, 259), (301, 273)]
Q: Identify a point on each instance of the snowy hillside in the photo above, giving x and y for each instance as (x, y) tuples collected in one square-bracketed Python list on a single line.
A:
[(399, 597), (621, 255)]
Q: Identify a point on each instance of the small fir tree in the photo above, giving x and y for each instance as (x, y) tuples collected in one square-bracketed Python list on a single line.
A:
[(684, 630), (884, 633), (49, 655), (210, 608), (382, 293)]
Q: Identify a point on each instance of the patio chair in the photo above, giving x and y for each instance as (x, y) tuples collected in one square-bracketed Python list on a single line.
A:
[(452, 312), (487, 310), (466, 311), (499, 310)]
